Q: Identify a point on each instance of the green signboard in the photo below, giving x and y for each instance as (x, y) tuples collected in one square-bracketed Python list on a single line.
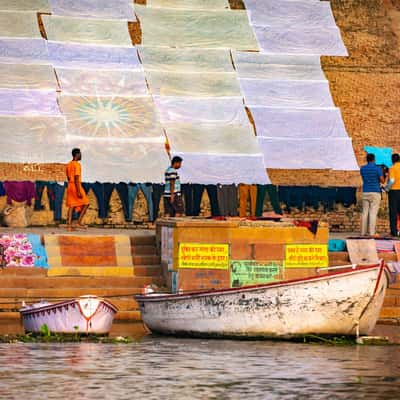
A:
[(251, 272)]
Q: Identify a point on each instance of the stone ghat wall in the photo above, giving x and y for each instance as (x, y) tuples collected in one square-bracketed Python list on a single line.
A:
[(365, 85)]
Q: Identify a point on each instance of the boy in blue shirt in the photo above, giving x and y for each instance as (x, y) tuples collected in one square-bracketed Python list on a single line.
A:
[(372, 177)]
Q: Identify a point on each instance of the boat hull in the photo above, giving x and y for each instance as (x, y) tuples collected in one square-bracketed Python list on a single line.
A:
[(334, 304), (83, 315)]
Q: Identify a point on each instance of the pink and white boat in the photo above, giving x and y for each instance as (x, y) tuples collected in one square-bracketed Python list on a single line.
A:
[(345, 301), (86, 314)]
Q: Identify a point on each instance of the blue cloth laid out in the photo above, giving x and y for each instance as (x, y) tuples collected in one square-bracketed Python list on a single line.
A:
[(383, 155), (38, 250), (336, 245)]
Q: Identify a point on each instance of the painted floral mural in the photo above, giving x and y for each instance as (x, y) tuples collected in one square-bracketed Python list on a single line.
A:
[(17, 250)]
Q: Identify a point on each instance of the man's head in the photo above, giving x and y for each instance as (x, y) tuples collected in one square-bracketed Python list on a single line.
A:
[(76, 154), (370, 157), (395, 158), (176, 162)]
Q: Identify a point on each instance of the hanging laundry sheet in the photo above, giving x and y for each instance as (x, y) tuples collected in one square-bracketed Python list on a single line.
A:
[(212, 139), (25, 5), (28, 102), (288, 14), (33, 139), (286, 94), (28, 51), (223, 168), (278, 67), (288, 153), (27, 76), (190, 4), (193, 84), (105, 9), (212, 110), (19, 24), (73, 55), (298, 123), (102, 82), (122, 162), (127, 118), (86, 30), (185, 59), (196, 28), (301, 40)]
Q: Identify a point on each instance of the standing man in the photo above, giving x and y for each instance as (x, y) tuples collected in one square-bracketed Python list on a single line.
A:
[(372, 177), (173, 203), (76, 196), (394, 194)]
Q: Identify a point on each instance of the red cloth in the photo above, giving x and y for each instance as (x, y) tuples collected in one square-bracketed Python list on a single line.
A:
[(20, 191), (312, 226)]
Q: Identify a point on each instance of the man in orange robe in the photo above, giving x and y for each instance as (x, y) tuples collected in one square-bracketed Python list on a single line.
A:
[(76, 196)]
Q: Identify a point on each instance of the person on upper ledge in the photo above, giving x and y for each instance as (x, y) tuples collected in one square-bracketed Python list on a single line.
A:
[(76, 196), (173, 203), (372, 177)]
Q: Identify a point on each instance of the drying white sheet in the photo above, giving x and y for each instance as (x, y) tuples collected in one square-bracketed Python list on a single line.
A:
[(122, 162), (73, 55), (212, 139), (190, 4), (196, 28), (193, 84), (301, 40), (214, 110), (222, 168), (123, 118), (278, 67), (102, 82), (298, 123), (289, 153), (25, 5), (28, 102), (19, 24), (186, 59), (286, 94), (106, 9), (33, 139), (288, 14), (87, 30), (24, 50), (27, 76)]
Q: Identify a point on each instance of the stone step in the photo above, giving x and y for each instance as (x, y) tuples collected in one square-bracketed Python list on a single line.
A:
[(146, 260), (148, 270), (23, 271), (145, 240), (144, 250), (342, 257), (390, 312), (391, 301), (31, 295), (74, 282), (91, 271)]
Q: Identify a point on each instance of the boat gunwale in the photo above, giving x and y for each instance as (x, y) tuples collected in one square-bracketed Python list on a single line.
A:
[(64, 303), (190, 295)]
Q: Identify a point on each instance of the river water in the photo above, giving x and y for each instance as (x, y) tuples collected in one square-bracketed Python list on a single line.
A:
[(167, 368)]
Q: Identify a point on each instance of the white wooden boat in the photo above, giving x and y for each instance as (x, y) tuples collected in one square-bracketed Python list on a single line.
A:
[(345, 301), (86, 314)]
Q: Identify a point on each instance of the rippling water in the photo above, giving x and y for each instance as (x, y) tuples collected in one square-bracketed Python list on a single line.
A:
[(167, 368)]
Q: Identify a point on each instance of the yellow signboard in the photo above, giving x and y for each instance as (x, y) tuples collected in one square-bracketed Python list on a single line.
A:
[(306, 255), (200, 255)]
